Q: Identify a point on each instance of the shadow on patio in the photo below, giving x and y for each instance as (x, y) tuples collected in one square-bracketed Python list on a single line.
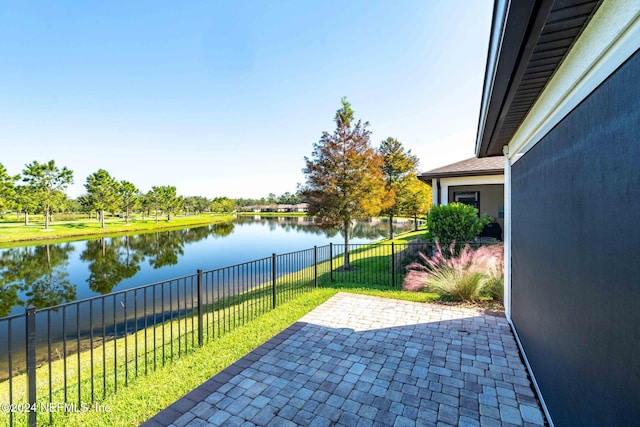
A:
[(364, 361)]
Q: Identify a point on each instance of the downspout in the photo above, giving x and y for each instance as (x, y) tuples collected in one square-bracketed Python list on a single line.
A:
[(507, 232)]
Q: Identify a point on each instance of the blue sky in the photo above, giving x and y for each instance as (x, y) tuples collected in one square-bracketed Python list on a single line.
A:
[(227, 97)]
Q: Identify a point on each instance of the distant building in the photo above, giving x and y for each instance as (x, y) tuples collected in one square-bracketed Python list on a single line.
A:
[(300, 207)]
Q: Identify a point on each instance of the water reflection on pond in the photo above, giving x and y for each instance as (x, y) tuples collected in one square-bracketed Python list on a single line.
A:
[(51, 274)]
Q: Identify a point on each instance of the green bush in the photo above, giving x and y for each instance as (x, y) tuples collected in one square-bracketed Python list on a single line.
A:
[(493, 287), (455, 222)]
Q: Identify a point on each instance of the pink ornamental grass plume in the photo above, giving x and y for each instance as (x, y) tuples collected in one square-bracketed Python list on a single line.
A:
[(458, 277)]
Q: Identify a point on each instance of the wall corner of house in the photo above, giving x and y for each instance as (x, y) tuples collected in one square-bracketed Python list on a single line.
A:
[(507, 232)]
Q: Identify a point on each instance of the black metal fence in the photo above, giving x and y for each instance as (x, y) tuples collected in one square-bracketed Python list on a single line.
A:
[(70, 357)]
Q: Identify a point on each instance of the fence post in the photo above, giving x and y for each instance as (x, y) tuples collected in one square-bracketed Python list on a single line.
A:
[(315, 266), (273, 279), (331, 261), (200, 313), (31, 361), (393, 265)]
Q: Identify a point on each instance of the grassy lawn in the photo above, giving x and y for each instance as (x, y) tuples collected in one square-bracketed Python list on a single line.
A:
[(12, 232)]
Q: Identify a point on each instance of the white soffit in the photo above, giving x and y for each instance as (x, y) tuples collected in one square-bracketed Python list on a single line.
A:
[(472, 180), (612, 36)]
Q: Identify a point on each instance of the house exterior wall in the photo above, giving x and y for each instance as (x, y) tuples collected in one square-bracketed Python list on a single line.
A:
[(491, 199), (445, 183), (575, 243)]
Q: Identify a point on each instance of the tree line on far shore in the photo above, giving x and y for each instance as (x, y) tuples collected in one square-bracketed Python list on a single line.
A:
[(40, 189)]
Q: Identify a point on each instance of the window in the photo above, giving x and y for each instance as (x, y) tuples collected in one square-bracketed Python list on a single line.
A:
[(471, 198)]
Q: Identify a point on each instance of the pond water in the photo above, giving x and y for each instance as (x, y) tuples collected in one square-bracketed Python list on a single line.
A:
[(52, 274)]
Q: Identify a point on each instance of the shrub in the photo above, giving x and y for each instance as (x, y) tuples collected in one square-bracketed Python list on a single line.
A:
[(493, 287), (460, 277), (456, 285), (455, 222)]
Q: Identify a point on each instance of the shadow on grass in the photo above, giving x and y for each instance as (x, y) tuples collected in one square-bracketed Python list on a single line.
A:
[(373, 270), (78, 226)]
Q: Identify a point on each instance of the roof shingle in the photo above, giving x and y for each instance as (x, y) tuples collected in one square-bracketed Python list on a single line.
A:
[(468, 167)]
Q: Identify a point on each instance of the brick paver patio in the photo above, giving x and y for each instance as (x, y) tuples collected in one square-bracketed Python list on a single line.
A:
[(367, 361)]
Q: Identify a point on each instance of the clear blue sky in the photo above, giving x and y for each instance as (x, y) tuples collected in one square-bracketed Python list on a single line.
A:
[(227, 97)]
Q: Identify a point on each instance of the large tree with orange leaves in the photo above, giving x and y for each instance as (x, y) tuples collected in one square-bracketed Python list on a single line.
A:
[(343, 177)]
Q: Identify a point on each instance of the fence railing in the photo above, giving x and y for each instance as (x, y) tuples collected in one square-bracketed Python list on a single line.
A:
[(73, 356)]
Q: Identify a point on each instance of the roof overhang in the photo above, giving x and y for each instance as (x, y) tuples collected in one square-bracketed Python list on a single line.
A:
[(427, 177), (528, 41)]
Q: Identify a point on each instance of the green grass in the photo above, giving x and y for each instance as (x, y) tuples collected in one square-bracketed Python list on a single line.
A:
[(11, 232), (384, 292)]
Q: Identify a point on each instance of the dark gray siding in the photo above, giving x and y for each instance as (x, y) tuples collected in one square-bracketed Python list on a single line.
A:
[(576, 257)]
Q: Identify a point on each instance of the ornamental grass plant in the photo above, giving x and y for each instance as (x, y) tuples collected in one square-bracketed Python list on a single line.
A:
[(473, 274)]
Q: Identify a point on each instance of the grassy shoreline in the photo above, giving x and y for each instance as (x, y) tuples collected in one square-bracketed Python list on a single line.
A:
[(272, 214), (12, 234)]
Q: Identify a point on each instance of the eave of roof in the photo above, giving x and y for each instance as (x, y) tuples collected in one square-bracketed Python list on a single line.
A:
[(468, 167), (529, 39)]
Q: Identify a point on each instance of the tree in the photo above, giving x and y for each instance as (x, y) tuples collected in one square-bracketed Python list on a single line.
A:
[(129, 196), (289, 199), (166, 198), (201, 204), (83, 204), (59, 203), (25, 202), (222, 205), (179, 205), (146, 204), (44, 180), (152, 199), (102, 190), (7, 188), (398, 166), (196, 204), (344, 177), (416, 200)]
